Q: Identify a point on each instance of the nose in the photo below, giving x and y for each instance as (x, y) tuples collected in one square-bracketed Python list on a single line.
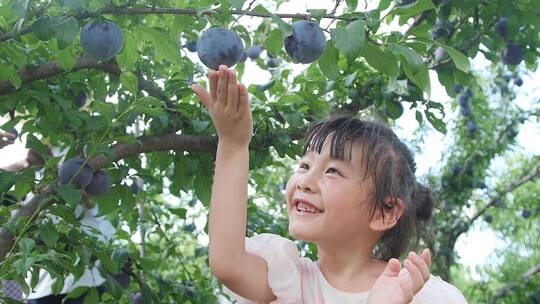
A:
[(307, 182)]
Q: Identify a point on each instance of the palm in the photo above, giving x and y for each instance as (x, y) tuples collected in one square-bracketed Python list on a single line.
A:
[(399, 287)]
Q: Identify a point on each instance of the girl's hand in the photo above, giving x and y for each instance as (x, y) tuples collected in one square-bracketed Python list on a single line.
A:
[(393, 288), (228, 105)]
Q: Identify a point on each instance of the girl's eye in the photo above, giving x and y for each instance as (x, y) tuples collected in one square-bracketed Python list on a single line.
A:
[(303, 166), (334, 170)]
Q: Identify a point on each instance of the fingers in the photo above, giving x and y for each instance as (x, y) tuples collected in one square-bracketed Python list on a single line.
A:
[(203, 95), (243, 98), (407, 290), (416, 279), (426, 256), (232, 92), (213, 78), (222, 86), (421, 264), (392, 268)]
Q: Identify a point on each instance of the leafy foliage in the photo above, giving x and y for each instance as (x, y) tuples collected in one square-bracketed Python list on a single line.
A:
[(142, 121)]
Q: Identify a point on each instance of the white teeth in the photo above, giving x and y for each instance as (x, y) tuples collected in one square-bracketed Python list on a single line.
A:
[(307, 208)]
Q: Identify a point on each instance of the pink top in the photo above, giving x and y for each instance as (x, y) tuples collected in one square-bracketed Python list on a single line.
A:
[(294, 279)]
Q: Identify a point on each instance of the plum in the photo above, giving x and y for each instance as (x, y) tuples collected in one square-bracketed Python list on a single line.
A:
[(69, 172), (219, 46), (440, 54), (500, 26), (463, 101), (14, 132), (191, 46), (465, 111), (518, 81), (244, 56), (307, 42), (102, 40), (100, 184), (394, 110), (458, 88), (456, 169), (525, 213), (137, 298), (254, 52), (123, 279), (272, 62), (513, 54), (81, 99), (471, 127)]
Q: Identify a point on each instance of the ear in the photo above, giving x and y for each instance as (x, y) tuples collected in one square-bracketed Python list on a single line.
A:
[(387, 217)]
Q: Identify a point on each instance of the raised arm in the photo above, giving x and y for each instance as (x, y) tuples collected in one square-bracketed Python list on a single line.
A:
[(242, 272)]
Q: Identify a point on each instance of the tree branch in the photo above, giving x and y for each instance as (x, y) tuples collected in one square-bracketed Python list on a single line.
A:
[(524, 178), (173, 11), (509, 287), (53, 68)]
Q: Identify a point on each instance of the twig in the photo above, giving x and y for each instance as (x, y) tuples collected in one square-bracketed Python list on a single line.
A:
[(174, 11)]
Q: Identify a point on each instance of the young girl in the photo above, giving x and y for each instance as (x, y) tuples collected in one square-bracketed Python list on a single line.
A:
[(354, 195)]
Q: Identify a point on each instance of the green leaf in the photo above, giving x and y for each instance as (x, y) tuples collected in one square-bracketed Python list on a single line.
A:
[(92, 297), (180, 212), (200, 125), (44, 28), (149, 105), (129, 55), (350, 39), (164, 47), (71, 195), (20, 7), (461, 61), (411, 56), (274, 41), (66, 31), (419, 77), (317, 13), (237, 4), (285, 27), (383, 61), (66, 59), (437, 123), (10, 73), (328, 63), (74, 5), (23, 265), (351, 4), (77, 292), (26, 245), (414, 8), (129, 81), (48, 234)]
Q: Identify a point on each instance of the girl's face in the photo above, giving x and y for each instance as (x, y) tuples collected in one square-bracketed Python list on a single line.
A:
[(328, 199)]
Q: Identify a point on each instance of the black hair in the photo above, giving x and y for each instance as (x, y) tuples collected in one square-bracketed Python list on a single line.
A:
[(390, 164)]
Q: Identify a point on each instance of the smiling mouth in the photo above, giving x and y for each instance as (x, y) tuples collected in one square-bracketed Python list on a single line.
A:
[(305, 208)]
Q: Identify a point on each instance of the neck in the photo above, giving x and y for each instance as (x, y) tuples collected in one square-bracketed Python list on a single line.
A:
[(350, 266)]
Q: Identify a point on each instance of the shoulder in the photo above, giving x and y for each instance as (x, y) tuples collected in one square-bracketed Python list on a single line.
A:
[(271, 244), (436, 290)]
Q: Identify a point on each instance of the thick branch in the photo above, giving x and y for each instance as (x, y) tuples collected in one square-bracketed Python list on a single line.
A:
[(119, 151), (509, 287), (174, 11), (525, 177), (53, 68)]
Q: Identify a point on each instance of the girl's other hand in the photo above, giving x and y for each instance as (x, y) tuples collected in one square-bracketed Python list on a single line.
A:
[(395, 288), (228, 105)]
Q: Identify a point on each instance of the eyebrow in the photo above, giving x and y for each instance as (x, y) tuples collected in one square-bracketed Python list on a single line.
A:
[(347, 163)]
